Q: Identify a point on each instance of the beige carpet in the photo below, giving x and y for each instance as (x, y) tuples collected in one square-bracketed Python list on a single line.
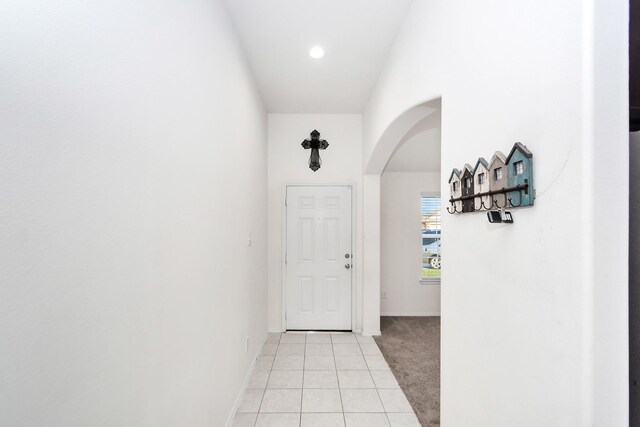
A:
[(411, 346)]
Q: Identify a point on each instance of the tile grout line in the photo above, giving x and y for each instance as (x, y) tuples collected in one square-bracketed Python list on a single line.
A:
[(332, 344), (344, 418), (335, 370), (386, 415), (368, 370), (268, 378)]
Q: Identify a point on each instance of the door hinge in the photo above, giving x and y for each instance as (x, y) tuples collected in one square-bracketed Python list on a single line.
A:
[(285, 257), (285, 202), (285, 316)]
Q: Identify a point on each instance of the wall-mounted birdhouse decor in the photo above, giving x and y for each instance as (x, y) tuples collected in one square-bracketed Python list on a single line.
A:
[(498, 178), (520, 164), (315, 144), (502, 182), (454, 188), (467, 188), (481, 175)]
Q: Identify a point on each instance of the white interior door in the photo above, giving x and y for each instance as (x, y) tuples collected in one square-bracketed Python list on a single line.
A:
[(318, 258)]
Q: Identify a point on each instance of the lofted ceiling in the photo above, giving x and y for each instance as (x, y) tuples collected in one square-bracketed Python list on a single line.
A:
[(355, 34)]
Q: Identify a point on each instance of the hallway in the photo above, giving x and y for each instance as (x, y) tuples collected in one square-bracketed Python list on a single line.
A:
[(323, 380), (149, 265)]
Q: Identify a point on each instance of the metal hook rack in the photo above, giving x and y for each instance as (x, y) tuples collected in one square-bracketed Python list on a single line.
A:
[(508, 203)]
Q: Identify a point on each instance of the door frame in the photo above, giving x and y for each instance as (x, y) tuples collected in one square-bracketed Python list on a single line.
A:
[(283, 246)]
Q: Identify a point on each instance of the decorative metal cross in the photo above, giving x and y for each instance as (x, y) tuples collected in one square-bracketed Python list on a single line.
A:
[(315, 144)]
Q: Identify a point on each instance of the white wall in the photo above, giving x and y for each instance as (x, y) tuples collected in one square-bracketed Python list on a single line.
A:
[(419, 150), (288, 164), (401, 245), (132, 170), (371, 238), (534, 329), (634, 278)]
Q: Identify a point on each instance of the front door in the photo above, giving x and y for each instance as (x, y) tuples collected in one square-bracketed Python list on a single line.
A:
[(318, 258)]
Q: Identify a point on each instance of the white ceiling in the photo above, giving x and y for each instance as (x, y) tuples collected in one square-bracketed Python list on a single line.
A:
[(419, 150), (355, 34)]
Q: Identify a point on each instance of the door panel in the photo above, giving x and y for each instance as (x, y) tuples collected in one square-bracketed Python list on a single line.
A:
[(332, 294), (318, 283), (306, 294), (306, 238), (331, 239)]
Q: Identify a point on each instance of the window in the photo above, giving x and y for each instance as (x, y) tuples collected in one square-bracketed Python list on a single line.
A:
[(455, 185), (467, 183), (519, 167), (498, 173), (481, 178), (431, 232)]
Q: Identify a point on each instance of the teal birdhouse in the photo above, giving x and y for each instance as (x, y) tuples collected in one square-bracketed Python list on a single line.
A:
[(520, 174)]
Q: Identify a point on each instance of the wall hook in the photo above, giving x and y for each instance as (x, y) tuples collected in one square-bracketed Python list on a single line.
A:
[(495, 202), (519, 204)]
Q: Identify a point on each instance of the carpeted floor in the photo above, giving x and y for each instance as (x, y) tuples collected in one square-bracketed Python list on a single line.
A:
[(411, 346)]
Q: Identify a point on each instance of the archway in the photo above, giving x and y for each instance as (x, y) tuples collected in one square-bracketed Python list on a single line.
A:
[(398, 131), (407, 186)]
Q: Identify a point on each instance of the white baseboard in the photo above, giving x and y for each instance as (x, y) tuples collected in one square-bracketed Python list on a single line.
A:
[(247, 377), (412, 314), (371, 333)]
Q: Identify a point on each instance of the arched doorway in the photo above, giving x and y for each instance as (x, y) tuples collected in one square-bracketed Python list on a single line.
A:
[(407, 166)]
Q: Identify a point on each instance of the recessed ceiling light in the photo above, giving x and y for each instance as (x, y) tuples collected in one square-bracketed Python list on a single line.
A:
[(316, 52)]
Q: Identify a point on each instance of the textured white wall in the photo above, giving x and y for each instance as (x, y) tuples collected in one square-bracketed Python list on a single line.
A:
[(132, 170), (401, 245), (288, 164), (533, 320)]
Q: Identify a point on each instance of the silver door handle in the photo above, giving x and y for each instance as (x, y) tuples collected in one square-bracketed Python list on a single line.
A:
[(347, 266)]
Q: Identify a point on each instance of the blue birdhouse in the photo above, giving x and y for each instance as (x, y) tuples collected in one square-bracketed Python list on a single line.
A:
[(520, 173)]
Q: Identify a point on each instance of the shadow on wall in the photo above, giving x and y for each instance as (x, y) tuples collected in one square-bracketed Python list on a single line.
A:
[(396, 133)]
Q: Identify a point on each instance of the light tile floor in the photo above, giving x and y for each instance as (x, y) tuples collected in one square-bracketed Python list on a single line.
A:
[(323, 380)]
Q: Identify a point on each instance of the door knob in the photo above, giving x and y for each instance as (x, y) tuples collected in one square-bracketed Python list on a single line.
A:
[(347, 255), (347, 266)]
